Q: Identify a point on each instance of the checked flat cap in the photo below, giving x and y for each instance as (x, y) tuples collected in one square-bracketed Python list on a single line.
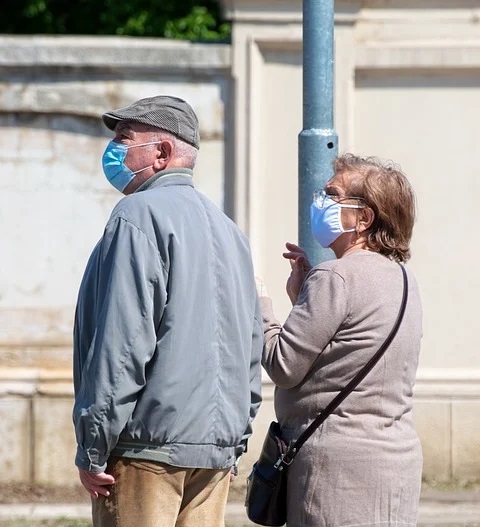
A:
[(168, 113)]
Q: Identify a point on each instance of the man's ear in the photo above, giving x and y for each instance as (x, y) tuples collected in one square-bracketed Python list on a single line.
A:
[(164, 155), (366, 218)]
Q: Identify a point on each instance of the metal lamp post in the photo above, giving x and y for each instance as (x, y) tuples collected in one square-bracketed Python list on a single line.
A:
[(318, 141)]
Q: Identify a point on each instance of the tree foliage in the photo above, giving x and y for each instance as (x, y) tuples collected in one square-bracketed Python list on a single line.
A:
[(184, 19)]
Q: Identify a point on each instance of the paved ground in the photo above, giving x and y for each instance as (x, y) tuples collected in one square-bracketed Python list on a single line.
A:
[(452, 509), (437, 509)]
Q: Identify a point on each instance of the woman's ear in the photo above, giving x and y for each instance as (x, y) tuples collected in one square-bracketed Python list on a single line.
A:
[(365, 219)]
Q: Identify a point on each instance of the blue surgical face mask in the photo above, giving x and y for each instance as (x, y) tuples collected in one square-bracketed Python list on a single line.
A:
[(117, 173), (326, 218)]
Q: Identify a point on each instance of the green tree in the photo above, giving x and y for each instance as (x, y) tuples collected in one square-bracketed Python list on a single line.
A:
[(183, 19)]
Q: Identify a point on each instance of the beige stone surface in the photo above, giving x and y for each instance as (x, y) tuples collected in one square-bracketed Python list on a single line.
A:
[(397, 117), (54, 446), (466, 440), (433, 422), (15, 446)]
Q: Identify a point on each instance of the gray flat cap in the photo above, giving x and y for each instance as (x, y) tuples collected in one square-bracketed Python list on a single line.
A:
[(168, 113)]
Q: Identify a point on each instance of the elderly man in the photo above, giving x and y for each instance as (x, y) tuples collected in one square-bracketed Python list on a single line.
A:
[(167, 336)]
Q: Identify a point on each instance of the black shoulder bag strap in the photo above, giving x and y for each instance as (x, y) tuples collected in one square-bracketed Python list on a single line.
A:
[(293, 449)]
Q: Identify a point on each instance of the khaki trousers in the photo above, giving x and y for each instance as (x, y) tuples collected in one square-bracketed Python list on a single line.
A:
[(151, 494)]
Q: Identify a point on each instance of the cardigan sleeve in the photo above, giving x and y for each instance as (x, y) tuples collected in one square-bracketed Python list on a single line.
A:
[(291, 350)]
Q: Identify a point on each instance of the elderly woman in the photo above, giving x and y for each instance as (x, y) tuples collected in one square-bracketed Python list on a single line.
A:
[(363, 466)]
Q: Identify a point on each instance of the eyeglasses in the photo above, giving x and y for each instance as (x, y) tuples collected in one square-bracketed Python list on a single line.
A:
[(320, 196)]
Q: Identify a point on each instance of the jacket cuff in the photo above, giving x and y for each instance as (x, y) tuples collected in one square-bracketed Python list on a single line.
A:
[(90, 460)]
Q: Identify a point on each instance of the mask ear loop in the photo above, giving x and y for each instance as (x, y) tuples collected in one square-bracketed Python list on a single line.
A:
[(142, 144), (141, 170), (348, 206), (358, 233)]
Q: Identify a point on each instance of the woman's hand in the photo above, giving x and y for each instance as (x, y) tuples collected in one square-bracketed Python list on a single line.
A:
[(300, 268)]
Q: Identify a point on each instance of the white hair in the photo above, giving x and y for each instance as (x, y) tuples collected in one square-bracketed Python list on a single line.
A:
[(182, 149)]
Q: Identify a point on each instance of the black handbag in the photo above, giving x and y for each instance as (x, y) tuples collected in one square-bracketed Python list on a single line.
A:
[(266, 500)]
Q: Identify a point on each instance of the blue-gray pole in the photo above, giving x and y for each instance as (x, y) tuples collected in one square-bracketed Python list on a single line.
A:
[(318, 141)]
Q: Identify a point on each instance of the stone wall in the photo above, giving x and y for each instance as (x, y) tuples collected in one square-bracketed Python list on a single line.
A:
[(54, 203)]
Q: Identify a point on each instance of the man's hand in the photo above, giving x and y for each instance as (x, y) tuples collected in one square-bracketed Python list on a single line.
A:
[(234, 471), (96, 483)]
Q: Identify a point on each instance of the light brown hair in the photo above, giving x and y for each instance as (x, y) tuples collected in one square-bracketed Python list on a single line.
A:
[(387, 191)]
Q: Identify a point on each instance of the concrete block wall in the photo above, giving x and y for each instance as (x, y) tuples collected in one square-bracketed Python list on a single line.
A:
[(38, 443), (447, 414)]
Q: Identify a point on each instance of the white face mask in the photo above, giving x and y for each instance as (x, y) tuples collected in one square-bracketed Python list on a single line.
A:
[(326, 218)]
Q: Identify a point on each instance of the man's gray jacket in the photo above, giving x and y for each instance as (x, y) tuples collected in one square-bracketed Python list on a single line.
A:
[(168, 334)]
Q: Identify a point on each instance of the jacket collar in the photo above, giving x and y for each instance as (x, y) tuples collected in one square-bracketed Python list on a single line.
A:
[(166, 178)]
